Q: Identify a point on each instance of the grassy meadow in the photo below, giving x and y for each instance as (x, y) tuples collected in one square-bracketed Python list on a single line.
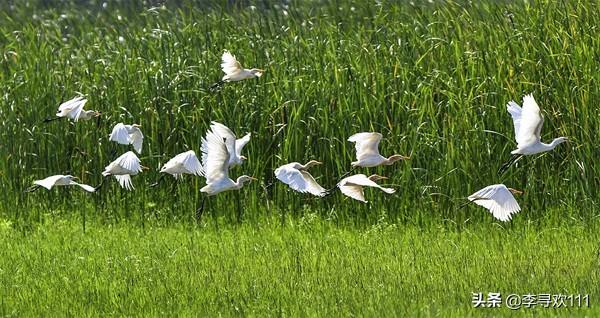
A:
[(432, 77)]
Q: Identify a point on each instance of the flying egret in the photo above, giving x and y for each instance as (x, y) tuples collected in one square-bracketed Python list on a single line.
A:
[(353, 186), (59, 180), (184, 163), (367, 152), (234, 146), (528, 123), (498, 199), (215, 161), (127, 165), (74, 109), (297, 177), (234, 71), (128, 134)]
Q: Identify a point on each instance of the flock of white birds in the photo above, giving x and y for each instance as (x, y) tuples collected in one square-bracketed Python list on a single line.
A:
[(221, 150)]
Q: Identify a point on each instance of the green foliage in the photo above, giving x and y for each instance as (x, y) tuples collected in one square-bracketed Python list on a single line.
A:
[(308, 269), (433, 78)]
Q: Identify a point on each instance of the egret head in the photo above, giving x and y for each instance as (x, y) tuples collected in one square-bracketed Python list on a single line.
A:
[(515, 191), (395, 158), (376, 177), (558, 141), (244, 179), (312, 163), (257, 72)]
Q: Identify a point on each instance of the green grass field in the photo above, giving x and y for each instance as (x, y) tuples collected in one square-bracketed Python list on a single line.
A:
[(433, 78)]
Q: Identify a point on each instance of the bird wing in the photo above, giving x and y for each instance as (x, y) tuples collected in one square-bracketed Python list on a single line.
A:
[(230, 64), (72, 108), (515, 112), (498, 200), (215, 157), (85, 187), (49, 182), (225, 133), (240, 143), (366, 143), (77, 109), (136, 138), (300, 181), (190, 161), (363, 180), (353, 191), (531, 122), (129, 161), (120, 134), (125, 181)]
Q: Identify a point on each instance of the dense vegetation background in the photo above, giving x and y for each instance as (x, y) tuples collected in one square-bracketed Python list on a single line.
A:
[(434, 78)]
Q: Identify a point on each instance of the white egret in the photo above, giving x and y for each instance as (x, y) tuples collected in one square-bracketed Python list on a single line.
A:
[(184, 163), (498, 199), (234, 146), (128, 134), (74, 109), (59, 180), (127, 165), (528, 123), (367, 151), (353, 186), (215, 161), (297, 177), (234, 71)]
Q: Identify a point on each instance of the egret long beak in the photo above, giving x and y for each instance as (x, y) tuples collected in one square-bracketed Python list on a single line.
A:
[(97, 114), (252, 178), (145, 168), (515, 191)]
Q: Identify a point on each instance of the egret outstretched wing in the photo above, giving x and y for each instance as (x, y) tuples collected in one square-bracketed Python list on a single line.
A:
[(240, 143), (85, 187), (531, 122), (298, 180), (215, 157), (366, 143), (136, 138), (120, 134), (49, 182), (225, 133), (498, 200), (129, 161), (230, 64)]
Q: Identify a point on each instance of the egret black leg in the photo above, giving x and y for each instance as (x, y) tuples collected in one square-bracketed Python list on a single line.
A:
[(216, 85), (32, 188), (47, 120), (162, 175), (200, 210), (509, 163)]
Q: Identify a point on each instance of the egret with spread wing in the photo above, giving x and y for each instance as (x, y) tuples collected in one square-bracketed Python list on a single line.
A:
[(215, 161), (367, 151), (183, 163), (127, 165), (498, 199), (234, 146), (353, 186), (59, 180), (128, 134), (234, 71), (73, 109), (298, 178), (528, 123)]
